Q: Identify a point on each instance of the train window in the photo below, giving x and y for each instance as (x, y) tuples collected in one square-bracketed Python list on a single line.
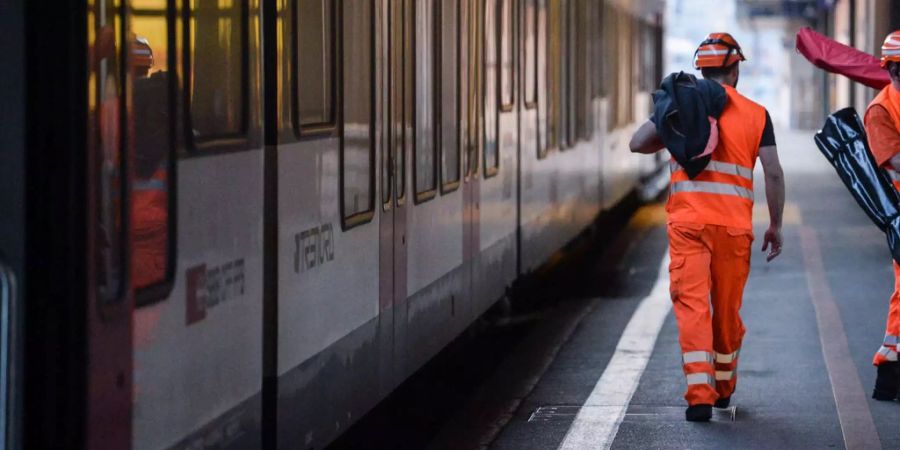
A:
[(529, 35), (152, 212), (542, 83), (426, 125), (598, 62), (571, 78), (448, 76), (507, 74), (474, 102), (105, 106), (217, 69), (314, 64), (489, 100), (583, 64), (611, 63), (555, 74), (357, 157)]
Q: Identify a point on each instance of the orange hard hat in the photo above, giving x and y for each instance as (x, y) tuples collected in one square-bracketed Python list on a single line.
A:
[(890, 50), (141, 54), (718, 50)]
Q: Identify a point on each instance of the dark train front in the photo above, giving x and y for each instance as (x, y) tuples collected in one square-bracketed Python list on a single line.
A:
[(242, 224)]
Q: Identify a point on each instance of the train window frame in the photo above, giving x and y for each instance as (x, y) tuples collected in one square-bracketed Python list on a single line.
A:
[(446, 186), (216, 143), (570, 99), (430, 193), (490, 105), (541, 79), (526, 68), (598, 46), (359, 218), (506, 100), (160, 291), (328, 129), (113, 301)]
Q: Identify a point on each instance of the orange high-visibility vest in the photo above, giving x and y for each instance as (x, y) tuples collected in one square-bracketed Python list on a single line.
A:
[(889, 99), (723, 193), (149, 223)]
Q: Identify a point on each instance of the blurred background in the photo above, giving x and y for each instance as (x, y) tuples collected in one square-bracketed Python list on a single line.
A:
[(797, 94)]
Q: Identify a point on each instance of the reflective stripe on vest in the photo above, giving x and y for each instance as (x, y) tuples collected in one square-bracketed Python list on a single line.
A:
[(151, 184), (720, 167), (711, 187)]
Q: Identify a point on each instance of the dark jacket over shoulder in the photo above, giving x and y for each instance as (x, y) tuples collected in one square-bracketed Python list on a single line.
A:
[(681, 110)]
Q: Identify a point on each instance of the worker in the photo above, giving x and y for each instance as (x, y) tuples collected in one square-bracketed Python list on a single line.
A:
[(882, 123), (710, 231), (150, 200)]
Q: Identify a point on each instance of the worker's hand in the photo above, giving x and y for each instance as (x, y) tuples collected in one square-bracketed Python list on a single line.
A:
[(772, 238)]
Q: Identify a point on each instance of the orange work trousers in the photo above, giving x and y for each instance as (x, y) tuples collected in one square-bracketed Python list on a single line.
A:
[(888, 350), (708, 270)]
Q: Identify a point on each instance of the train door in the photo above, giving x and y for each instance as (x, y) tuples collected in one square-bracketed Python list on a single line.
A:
[(12, 227), (74, 283), (396, 110)]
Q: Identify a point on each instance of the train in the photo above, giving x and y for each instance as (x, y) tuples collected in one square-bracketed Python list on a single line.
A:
[(243, 223)]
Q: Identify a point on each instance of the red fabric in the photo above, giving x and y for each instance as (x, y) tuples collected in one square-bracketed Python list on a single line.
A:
[(838, 58)]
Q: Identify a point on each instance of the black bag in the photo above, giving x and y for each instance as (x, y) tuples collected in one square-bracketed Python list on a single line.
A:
[(843, 141), (681, 110)]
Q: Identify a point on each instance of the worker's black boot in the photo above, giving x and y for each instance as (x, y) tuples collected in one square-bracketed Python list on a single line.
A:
[(698, 413), (723, 402), (888, 381)]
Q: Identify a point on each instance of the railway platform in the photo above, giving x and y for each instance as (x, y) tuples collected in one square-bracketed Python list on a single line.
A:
[(601, 366)]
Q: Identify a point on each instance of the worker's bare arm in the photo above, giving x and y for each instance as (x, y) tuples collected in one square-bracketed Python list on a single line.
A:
[(768, 155), (645, 140)]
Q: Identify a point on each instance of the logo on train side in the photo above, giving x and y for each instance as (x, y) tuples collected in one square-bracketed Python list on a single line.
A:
[(313, 247), (208, 287)]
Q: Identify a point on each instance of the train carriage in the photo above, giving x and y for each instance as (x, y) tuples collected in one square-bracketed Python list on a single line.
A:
[(256, 218)]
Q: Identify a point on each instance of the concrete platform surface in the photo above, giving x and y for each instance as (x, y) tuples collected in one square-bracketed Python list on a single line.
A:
[(814, 318)]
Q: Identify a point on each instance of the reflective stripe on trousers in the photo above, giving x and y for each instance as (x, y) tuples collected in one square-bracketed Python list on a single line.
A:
[(701, 378)]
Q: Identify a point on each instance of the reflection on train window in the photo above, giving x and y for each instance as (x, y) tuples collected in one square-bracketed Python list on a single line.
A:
[(357, 151), (475, 101), (597, 42), (217, 84), (315, 63), (570, 56), (448, 73), (611, 66), (489, 101), (105, 104), (555, 74), (150, 121), (530, 53), (425, 105), (506, 55), (581, 62), (542, 82)]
